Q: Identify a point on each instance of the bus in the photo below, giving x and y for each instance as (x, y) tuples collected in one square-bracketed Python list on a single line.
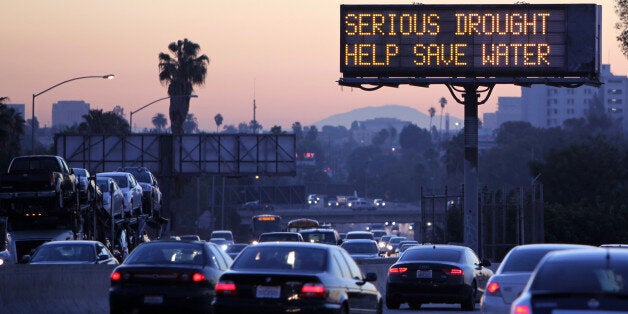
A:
[(297, 225), (265, 223)]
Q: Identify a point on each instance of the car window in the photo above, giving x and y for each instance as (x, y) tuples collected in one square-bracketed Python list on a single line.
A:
[(524, 260), (217, 258), (281, 257), (361, 247), (429, 254), (319, 237), (344, 268), (101, 249), (167, 253), (356, 273), (581, 276)]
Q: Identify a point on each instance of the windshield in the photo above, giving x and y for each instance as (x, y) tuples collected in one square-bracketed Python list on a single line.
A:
[(65, 253), (102, 184), (431, 254), (167, 253), (319, 237), (224, 235), (524, 260), (578, 276), (281, 257), (360, 235), (360, 248)]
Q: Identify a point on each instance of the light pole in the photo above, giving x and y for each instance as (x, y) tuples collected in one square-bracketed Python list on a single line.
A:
[(107, 76), (152, 102)]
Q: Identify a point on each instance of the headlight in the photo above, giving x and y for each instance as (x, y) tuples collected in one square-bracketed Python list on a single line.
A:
[(224, 247), (381, 245), (1, 262), (390, 247)]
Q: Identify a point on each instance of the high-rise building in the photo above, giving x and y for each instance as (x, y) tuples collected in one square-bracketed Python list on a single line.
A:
[(547, 106), (68, 112)]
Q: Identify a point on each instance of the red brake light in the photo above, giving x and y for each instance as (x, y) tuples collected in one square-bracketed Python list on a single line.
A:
[(115, 276), (522, 309), (198, 277), (52, 179), (226, 288), (492, 287), (397, 270), (313, 290), (454, 272)]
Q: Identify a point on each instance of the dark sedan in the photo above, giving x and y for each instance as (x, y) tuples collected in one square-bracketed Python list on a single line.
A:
[(577, 281), (437, 274), (294, 277), (179, 276), (71, 252)]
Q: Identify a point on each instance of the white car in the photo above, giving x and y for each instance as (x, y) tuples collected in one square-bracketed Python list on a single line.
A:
[(112, 196), (131, 190)]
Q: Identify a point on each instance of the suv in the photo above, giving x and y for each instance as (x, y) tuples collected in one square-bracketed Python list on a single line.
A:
[(151, 194), (131, 190), (326, 236), (225, 234)]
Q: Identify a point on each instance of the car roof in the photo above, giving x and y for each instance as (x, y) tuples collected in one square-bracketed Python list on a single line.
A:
[(588, 254), (111, 174), (61, 242), (355, 232), (293, 244), (317, 230), (359, 241)]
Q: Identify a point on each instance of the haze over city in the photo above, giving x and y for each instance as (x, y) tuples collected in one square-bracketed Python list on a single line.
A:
[(285, 54)]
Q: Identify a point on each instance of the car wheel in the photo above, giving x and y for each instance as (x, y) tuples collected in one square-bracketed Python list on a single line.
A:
[(392, 304), (468, 304), (414, 305)]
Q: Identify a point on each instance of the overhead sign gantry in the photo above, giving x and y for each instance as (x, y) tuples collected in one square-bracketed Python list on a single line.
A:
[(470, 48)]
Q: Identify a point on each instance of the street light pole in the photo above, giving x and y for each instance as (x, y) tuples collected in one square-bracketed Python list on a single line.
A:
[(107, 76), (152, 102)]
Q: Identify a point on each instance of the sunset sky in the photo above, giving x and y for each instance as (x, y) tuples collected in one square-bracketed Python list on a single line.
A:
[(285, 52)]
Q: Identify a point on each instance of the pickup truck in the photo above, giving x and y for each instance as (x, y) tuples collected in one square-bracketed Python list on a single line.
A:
[(39, 185)]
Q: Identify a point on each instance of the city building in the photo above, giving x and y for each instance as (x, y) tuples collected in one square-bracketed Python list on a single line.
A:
[(547, 106), (69, 112)]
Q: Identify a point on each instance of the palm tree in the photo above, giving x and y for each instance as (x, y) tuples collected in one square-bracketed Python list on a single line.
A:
[(160, 121), (11, 131), (218, 119), (191, 124), (432, 112), (99, 122), (181, 72), (442, 102)]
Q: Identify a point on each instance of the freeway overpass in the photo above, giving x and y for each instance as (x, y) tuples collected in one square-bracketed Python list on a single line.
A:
[(400, 213)]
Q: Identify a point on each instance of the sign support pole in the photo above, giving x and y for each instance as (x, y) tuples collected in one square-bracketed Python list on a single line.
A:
[(470, 95)]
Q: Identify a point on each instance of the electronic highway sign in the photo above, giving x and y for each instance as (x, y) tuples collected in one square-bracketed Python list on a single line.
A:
[(518, 40)]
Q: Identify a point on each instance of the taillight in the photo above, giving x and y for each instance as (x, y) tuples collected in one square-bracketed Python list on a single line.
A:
[(397, 270), (52, 180), (115, 276), (226, 288), (454, 272), (493, 288), (313, 290), (521, 309), (198, 277)]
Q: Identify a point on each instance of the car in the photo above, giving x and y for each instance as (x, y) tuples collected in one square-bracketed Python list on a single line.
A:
[(256, 206), (326, 236), (360, 235), (332, 202), (437, 273), (225, 234), (314, 199), (383, 242), (378, 202), (280, 236), (393, 244), (190, 237), (513, 274), (167, 275), (234, 249), (378, 234), (404, 245), (86, 187), (71, 252), (360, 204), (151, 192), (222, 243), (131, 190), (577, 281), (361, 248), (285, 277), (112, 196)]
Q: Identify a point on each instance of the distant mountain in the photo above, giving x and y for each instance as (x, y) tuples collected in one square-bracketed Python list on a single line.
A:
[(402, 113)]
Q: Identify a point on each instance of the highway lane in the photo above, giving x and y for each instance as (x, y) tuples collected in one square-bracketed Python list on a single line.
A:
[(432, 309)]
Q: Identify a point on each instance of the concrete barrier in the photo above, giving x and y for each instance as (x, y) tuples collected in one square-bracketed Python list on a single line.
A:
[(54, 288)]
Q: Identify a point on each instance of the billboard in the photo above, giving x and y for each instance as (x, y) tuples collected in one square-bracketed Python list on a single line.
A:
[(518, 40)]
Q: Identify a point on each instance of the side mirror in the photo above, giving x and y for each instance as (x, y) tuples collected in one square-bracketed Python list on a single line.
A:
[(370, 277), (485, 263), (339, 241), (103, 257)]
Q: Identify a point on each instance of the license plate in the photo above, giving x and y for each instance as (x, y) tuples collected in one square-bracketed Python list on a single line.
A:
[(153, 299), (271, 292), (424, 274)]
